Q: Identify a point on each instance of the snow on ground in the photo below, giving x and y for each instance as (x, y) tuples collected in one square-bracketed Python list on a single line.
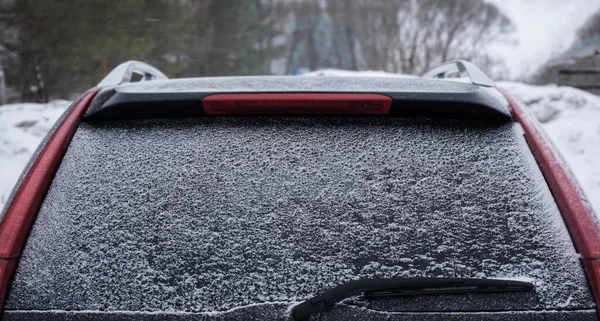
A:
[(570, 116), (22, 128)]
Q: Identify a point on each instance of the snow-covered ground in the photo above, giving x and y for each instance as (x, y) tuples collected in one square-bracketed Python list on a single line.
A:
[(570, 116)]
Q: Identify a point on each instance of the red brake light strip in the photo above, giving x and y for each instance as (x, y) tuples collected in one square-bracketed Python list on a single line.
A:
[(296, 103)]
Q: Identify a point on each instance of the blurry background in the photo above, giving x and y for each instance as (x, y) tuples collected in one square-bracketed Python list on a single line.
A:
[(56, 49)]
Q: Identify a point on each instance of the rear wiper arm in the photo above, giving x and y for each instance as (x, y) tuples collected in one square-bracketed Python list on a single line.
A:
[(403, 286)]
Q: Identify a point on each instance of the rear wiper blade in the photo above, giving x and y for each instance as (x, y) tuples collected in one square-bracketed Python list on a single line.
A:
[(403, 286)]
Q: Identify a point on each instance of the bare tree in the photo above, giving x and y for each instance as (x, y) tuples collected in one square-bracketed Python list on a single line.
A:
[(411, 36)]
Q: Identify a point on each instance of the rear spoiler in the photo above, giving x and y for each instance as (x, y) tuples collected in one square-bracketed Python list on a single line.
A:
[(438, 94)]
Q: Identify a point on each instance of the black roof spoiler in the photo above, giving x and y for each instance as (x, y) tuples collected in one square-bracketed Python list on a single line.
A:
[(438, 94)]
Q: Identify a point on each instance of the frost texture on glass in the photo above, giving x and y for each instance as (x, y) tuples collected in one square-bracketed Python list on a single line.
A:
[(211, 214)]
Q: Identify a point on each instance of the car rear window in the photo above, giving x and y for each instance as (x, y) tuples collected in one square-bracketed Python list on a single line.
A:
[(212, 214)]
